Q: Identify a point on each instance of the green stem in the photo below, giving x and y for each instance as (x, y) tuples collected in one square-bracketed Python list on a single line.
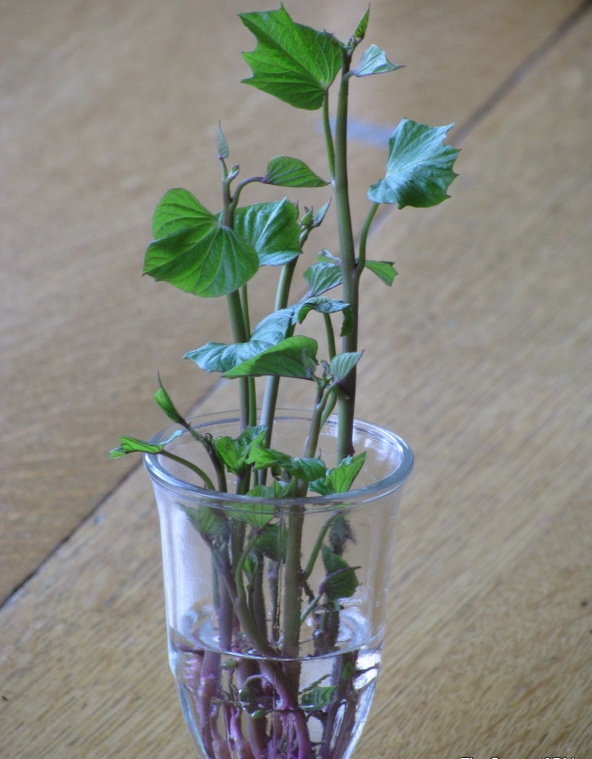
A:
[(272, 383), (330, 148), (364, 235), (348, 264), (208, 484)]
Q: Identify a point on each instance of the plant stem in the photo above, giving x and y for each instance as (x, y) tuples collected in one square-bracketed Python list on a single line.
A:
[(348, 263), (364, 235), (208, 484)]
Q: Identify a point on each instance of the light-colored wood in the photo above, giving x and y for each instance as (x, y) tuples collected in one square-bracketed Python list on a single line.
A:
[(105, 105), (485, 366)]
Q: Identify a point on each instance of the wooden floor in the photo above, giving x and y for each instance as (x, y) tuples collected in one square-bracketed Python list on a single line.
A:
[(480, 356)]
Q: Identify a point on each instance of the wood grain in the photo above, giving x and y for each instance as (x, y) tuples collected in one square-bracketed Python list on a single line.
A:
[(106, 106), (484, 365)]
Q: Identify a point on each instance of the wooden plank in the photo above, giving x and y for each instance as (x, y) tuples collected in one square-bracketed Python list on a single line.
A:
[(485, 367), (105, 106)]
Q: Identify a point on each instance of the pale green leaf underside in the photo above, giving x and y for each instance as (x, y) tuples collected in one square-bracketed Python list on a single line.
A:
[(293, 357), (419, 167), (295, 63), (374, 61)]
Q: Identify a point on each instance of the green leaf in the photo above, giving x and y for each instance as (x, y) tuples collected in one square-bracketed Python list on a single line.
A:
[(209, 522), (341, 478), (194, 252), (384, 270), (318, 698), (419, 167), (220, 357), (272, 229), (305, 469), (295, 63), (374, 61), (163, 399), (322, 277), (223, 151), (342, 364), (273, 538), (256, 514), (233, 452), (293, 357), (135, 445), (283, 171), (341, 580), (325, 306), (362, 26), (179, 210)]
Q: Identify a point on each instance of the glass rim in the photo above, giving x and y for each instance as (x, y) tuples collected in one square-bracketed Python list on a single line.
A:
[(367, 493)]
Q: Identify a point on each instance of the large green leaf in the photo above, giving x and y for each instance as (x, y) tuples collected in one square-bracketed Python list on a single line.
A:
[(272, 229), (295, 63), (194, 251), (419, 167), (293, 357), (283, 171)]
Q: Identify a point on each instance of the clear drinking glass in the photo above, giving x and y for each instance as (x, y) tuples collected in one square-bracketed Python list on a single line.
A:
[(276, 608)]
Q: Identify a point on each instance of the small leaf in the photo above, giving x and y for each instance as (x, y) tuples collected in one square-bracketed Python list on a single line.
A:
[(374, 61), (324, 306), (209, 522), (384, 270), (322, 277), (419, 167), (233, 452), (320, 214), (341, 580), (305, 469), (163, 399), (273, 538), (194, 252), (272, 229), (256, 514), (283, 171), (295, 63), (362, 26), (223, 151), (293, 357), (318, 698), (135, 445), (341, 478), (342, 364)]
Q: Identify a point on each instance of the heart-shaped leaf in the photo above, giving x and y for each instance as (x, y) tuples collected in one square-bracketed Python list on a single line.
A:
[(419, 167), (272, 229), (194, 252), (283, 171), (295, 63)]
